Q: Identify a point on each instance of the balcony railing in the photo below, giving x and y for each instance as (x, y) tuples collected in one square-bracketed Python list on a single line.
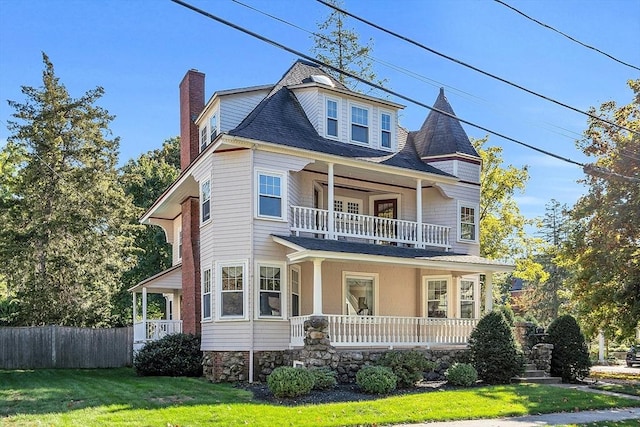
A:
[(152, 330), (388, 331), (371, 228)]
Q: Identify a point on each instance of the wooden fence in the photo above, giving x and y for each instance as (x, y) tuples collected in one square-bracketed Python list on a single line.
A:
[(65, 347)]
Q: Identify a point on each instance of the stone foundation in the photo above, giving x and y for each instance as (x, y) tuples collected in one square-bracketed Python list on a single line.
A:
[(226, 366)]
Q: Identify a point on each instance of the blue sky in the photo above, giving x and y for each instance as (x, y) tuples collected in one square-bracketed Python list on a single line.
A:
[(139, 51)]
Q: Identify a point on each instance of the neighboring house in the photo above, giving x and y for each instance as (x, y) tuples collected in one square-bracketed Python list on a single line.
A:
[(305, 199)]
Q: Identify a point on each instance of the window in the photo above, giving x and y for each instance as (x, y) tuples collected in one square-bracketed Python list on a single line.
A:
[(467, 302), (332, 118), (468, 229), (180, 244), (232, 298), (294, 279), (270, 288), (213, 125), (270, 195), (206, 294), (203, 138), (359, 124), (437, 297), (348, 205), (206, 200), (360, 294), (385, 130)]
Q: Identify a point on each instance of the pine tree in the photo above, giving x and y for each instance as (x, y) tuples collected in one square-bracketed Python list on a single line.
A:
[(67, 237)]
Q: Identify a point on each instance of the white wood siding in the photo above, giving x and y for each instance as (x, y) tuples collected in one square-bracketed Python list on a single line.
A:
[(468, 172), (234, 108), (229, 336), (311, 104), (271, 335), (177, 227), (445, 166)]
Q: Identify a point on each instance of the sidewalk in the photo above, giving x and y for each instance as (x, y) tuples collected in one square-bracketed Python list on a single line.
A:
[(562, 418)]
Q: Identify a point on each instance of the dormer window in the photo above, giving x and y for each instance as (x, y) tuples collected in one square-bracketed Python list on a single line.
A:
[(213, 124), (203, 138), (385, 130), (332, 118), (359, 124)]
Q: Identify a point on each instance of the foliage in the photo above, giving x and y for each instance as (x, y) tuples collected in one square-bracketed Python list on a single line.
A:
[(115, 397), (144, 179), (66, 235), (604, 244), (287, 381), (408, 366), (376, 380), (337, 45), (462, 374), (570, 356), (323, 378), (508, 314), (174, 355), (493, 349)]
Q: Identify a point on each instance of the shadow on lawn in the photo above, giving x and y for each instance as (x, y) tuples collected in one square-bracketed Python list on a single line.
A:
[(44, 391)]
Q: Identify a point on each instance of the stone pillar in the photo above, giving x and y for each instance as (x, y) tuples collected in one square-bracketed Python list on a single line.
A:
[(541, 357), (318, 351)]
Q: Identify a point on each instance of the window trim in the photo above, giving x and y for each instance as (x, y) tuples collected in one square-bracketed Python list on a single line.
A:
[(204, 294), (180, 243), (212, 134), (204, 136), (203, 200), (476, 210), (218, 281), (390, 131), (298, 270), (283, 290), (351, 123), (425, 299), (326, 117), (283, 195), (362, 275), (476, 296)]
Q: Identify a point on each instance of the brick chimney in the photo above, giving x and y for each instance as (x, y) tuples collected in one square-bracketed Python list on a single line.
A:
[(191, 105)]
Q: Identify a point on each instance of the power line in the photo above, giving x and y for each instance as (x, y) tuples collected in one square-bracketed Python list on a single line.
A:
[(486, 73), (360, 79), (565, 35)]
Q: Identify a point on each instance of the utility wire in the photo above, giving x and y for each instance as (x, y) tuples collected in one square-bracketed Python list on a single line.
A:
[(486, 73), (360, 79), (565, 35)]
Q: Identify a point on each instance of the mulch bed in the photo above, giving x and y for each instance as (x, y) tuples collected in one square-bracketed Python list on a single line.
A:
[(341, 393)]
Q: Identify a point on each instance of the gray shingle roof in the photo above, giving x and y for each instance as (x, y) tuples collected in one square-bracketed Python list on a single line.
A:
[(440, 134)]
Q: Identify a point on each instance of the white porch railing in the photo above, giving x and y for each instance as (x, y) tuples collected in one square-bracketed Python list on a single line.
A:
[(152, 330), (316, 221), (388, 331)]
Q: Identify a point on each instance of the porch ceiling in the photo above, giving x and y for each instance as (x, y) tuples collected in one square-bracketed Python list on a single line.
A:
[(166, 281), (308, 248)]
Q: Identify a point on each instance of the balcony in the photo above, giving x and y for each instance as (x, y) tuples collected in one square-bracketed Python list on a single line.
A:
[(370, 228), (389, 331)]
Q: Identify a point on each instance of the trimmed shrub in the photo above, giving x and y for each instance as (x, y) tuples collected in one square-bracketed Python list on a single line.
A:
[(408, 366), (323, 378), (570, 356), (463, 374), (175, 355), (493, 350), (287, 381), (376, 379)]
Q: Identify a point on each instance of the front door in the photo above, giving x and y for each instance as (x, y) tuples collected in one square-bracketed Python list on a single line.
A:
[(386, 208)]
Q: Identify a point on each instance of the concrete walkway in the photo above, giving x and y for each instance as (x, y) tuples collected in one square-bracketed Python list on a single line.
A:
[(563, 418)]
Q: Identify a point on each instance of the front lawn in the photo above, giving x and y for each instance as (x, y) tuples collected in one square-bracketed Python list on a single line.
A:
[(117, 397)]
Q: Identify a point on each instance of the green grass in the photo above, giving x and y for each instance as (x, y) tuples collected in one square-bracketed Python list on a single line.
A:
[(632, 389), (116, 397), (625, 423)]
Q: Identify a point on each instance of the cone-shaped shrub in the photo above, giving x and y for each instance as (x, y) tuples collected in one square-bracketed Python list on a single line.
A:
[(570, 356), (493, 350)]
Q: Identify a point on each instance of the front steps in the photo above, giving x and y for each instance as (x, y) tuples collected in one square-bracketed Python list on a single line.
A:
[(532, 375)]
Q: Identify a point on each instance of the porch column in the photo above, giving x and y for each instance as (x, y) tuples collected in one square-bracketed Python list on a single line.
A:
[(317, 286), (330, 201), (144, 309), (488, 292), (135, 306), (419, 241)]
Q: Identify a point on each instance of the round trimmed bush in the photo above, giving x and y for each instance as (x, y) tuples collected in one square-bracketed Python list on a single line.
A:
[(287, 381), (376, 379), (462, 374), (408, 366), (175, 355), (493, 350), (323, 378), (570, 356)]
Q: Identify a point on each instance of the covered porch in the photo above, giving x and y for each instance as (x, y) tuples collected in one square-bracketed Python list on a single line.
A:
[(168, 284)]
